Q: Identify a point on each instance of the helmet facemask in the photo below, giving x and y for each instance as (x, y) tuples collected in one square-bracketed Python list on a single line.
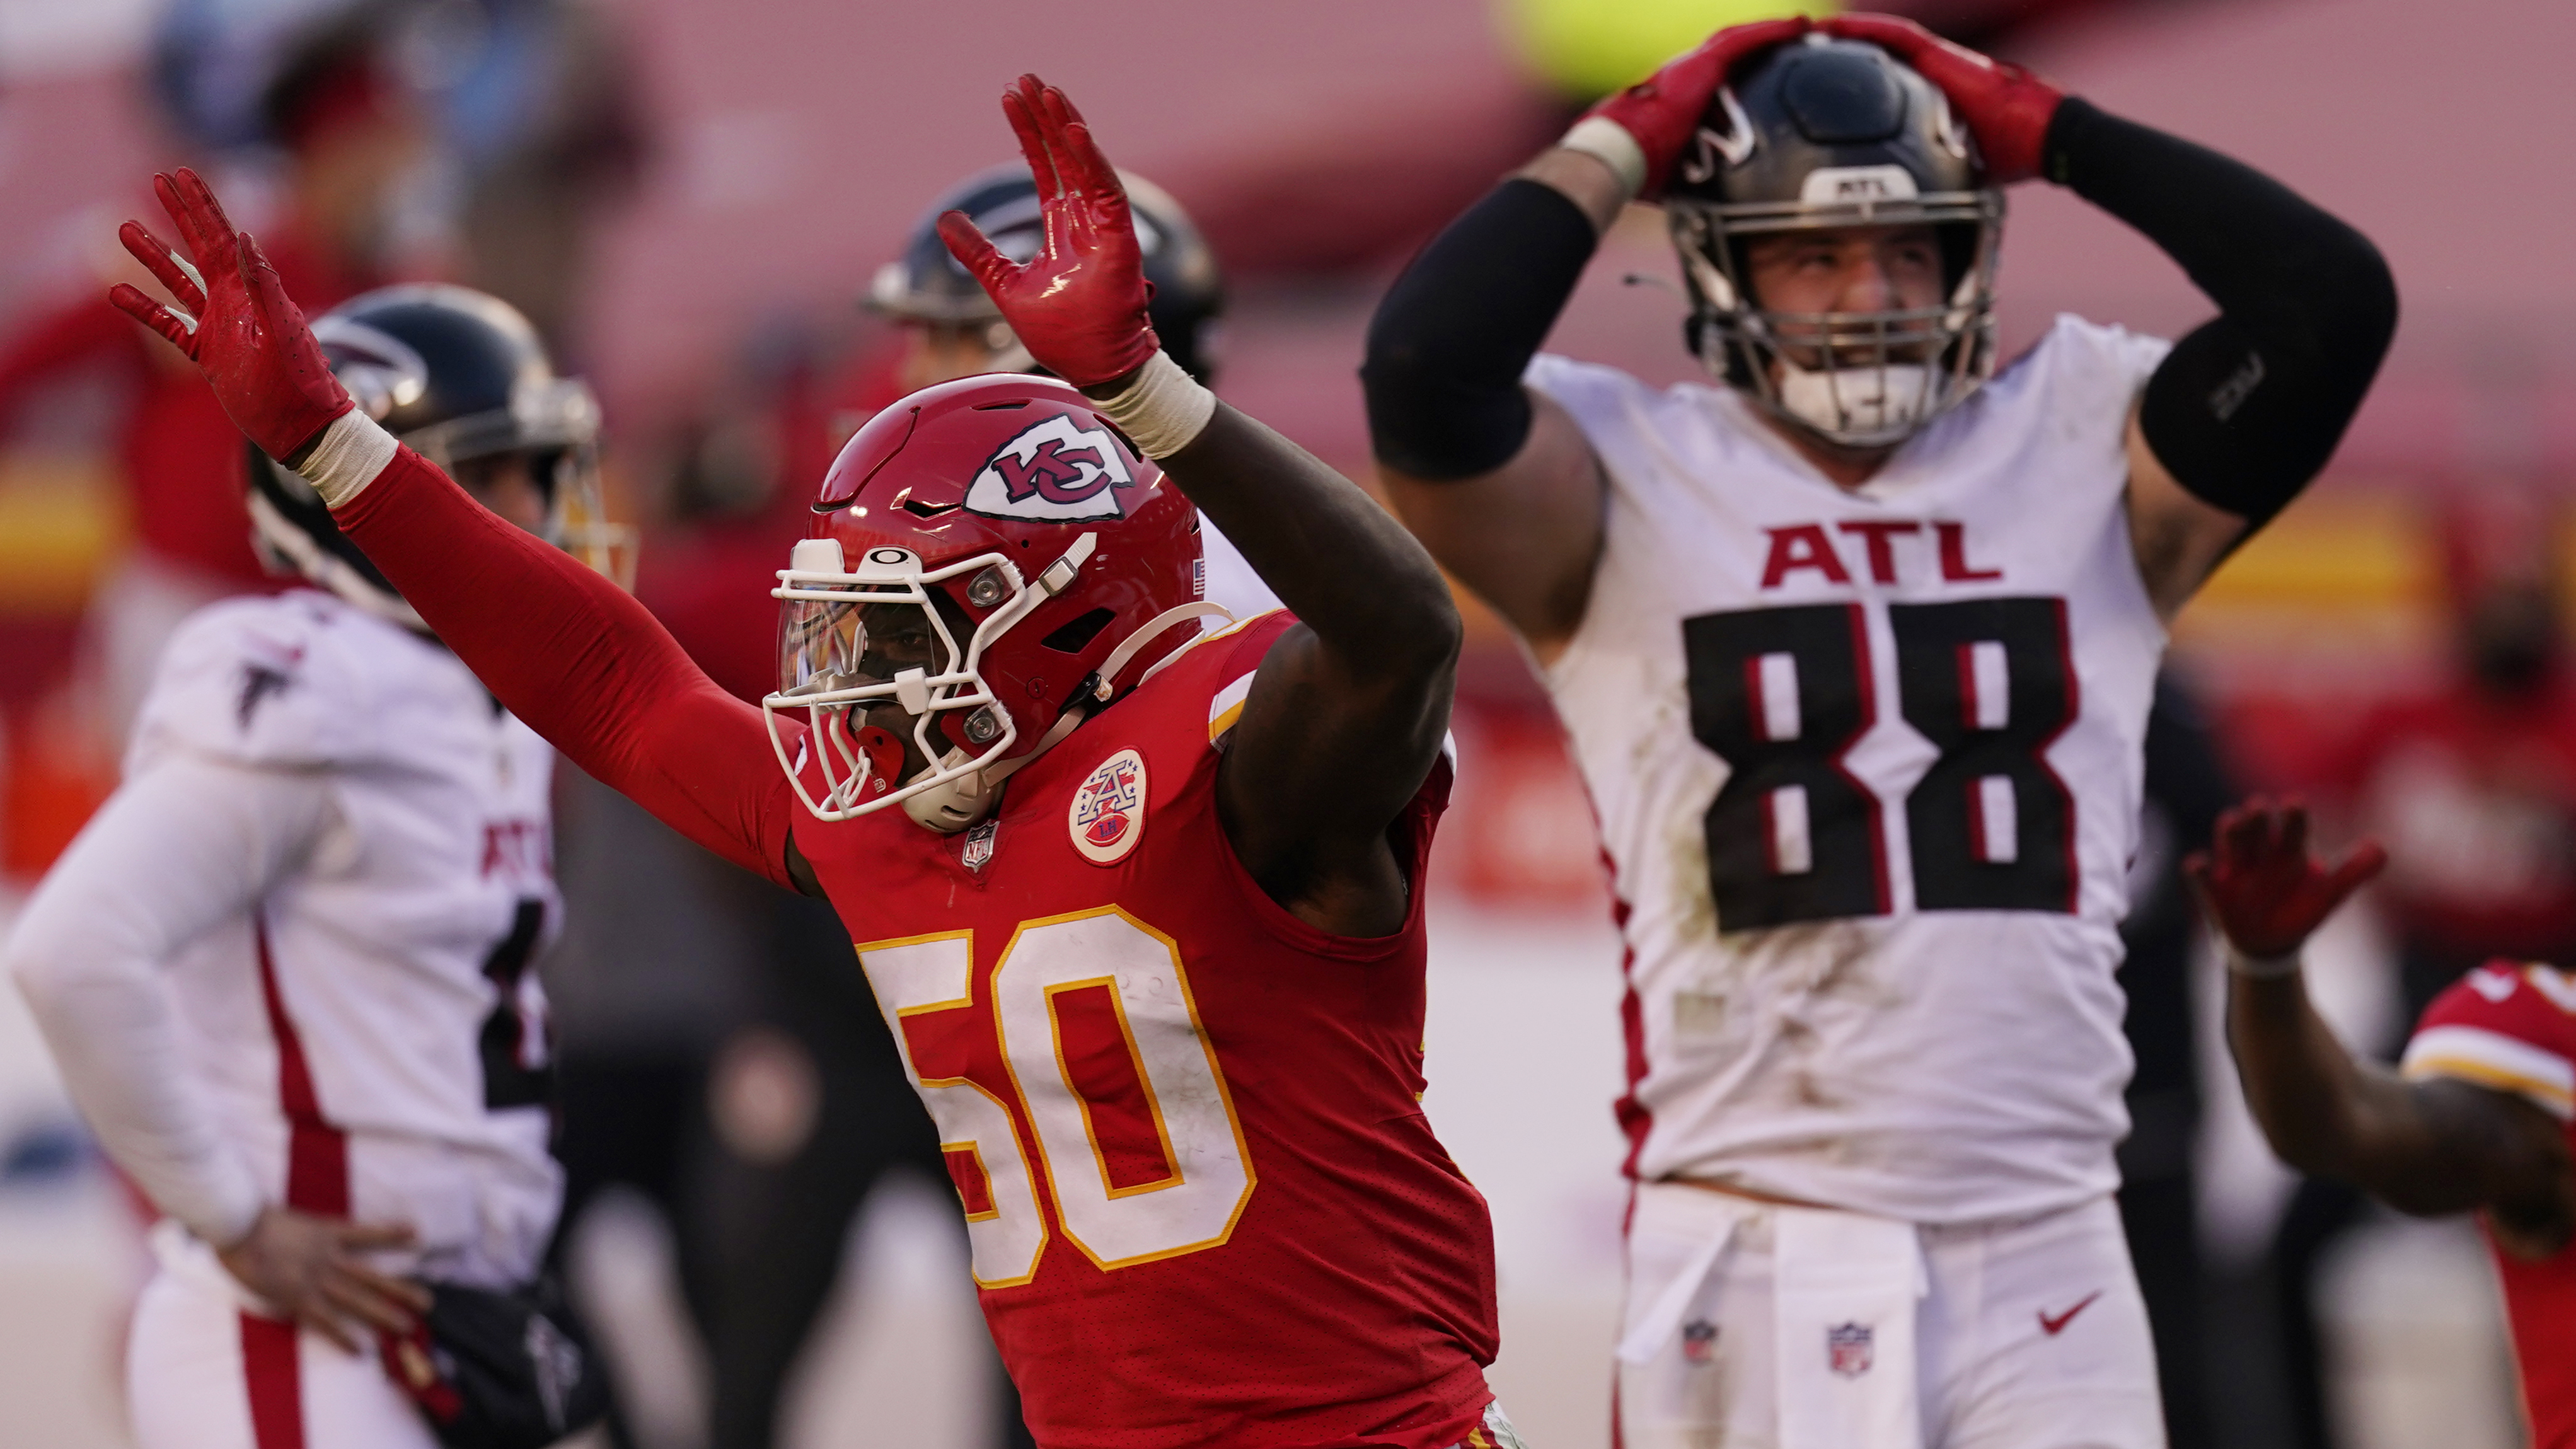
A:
[(1837, 135), (1860, 380), (554, 422), (890, 632)]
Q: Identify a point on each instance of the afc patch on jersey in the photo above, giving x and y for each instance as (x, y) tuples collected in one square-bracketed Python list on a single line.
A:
[(1107, 816), (1053, 472)]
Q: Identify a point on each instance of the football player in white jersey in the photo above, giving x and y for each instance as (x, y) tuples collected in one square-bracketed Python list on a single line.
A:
[(284, 970), (1854, 650)]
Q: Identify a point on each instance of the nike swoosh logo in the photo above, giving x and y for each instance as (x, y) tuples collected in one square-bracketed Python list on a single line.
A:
[(2057, 1325)]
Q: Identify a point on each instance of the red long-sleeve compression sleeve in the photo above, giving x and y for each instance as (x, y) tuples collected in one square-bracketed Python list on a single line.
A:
[(583, 663)]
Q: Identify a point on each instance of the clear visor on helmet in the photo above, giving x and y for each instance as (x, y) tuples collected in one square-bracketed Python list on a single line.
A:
[(825, 646), (856, 639)]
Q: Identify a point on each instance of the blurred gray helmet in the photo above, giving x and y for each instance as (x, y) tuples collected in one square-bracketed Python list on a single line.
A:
[(925, 283), (456, 375), (1836, 133)]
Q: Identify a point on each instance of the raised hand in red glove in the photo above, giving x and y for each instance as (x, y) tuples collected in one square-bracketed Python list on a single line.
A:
[(2264, 888), (1079, 304), (239, 327), (2006, 107), (1661, 111)]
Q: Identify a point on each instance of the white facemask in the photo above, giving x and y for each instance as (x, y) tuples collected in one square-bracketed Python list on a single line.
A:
[(1889, 398)]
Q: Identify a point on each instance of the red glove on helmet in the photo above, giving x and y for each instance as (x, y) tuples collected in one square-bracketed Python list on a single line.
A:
[(1661, 111), (239, 327), (1079, 304), (2264, 889), (2005, 106)]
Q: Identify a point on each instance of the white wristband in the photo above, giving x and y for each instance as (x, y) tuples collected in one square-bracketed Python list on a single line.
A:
[(1608, 142), (349, 455), (1162, 410), (2262, 968)]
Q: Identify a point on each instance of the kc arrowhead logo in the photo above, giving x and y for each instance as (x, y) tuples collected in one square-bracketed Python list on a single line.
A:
[(1053, 472)]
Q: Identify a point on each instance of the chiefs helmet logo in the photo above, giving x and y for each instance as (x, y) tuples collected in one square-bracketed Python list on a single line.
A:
[(1053, 472)]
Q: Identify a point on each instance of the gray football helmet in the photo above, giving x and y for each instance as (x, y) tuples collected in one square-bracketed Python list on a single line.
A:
[(926, 284), (1837, 133)]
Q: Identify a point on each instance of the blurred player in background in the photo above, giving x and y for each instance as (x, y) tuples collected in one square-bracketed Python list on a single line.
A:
[(951, 329), (1856, 652), (284, 971), (351, 132), (2471, 785), (1248, 1234), (2184, 787), (2475, 1119)]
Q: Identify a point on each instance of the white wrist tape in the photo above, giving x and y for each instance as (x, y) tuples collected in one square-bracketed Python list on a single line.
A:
[(352, 451), (1163, 409), (1609, 143), (2262, 968)]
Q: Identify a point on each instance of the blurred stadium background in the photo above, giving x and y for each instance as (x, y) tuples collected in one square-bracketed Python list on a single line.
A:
[(691, 196)]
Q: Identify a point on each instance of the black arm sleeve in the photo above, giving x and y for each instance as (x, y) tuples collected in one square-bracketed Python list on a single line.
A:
[(1453, 335), (2249, 407)]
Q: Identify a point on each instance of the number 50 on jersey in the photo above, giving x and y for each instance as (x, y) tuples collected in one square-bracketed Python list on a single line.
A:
[(1100, 1047)]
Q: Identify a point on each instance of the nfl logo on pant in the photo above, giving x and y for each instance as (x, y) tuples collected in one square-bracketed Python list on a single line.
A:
[(1847, 1349), (1699, 1341)]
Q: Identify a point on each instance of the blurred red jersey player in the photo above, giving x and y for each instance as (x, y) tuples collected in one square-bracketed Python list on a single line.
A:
[(350, 131), (2476, 1118), (1140, 907)]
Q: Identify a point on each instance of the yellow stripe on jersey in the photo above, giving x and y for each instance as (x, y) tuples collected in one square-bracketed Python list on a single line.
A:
[(1226, 706), (2490, 1059), (2481, 1074)]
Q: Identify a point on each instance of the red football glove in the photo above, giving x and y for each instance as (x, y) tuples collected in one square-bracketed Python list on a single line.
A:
[(239, 328), (2261, 885), (1079, 304), (1663, 110), (2005, 106)]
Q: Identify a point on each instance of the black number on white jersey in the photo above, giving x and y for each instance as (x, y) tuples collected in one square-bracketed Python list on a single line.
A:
[(1780, 694), (1783, 694), (508, 1078), (1987, 682)]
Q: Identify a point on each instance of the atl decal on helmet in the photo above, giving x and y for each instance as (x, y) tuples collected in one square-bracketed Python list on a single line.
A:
[(1107, 817), (1053, 472)]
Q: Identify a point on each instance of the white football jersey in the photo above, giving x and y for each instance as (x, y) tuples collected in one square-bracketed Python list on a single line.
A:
[(374, 1028), (1868, 767)]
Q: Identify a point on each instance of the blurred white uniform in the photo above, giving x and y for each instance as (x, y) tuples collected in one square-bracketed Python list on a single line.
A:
[(289, 963), (1868, 768)]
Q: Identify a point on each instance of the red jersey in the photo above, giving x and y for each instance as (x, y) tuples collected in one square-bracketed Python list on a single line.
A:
[(1204, 1204), (181, 457), (2513, 1028)]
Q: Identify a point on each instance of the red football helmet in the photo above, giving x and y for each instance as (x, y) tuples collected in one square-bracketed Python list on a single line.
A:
[(986, 555)]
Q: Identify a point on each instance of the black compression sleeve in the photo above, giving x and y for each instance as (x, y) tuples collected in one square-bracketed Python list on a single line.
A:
[(1453, 335), (2249, 407)]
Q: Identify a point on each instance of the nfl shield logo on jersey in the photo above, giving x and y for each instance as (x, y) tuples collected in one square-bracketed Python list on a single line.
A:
[(1847, 1349), (1108, 813)]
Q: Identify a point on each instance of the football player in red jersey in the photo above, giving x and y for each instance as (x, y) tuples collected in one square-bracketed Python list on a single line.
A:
[(1141, 908), (2476, 1116)]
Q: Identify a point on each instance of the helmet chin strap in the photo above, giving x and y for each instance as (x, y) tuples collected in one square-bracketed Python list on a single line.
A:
[(961, 802), (317, 565)]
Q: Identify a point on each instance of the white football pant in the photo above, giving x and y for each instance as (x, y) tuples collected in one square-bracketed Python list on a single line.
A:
[(203, 1372), (1753, 1326)]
